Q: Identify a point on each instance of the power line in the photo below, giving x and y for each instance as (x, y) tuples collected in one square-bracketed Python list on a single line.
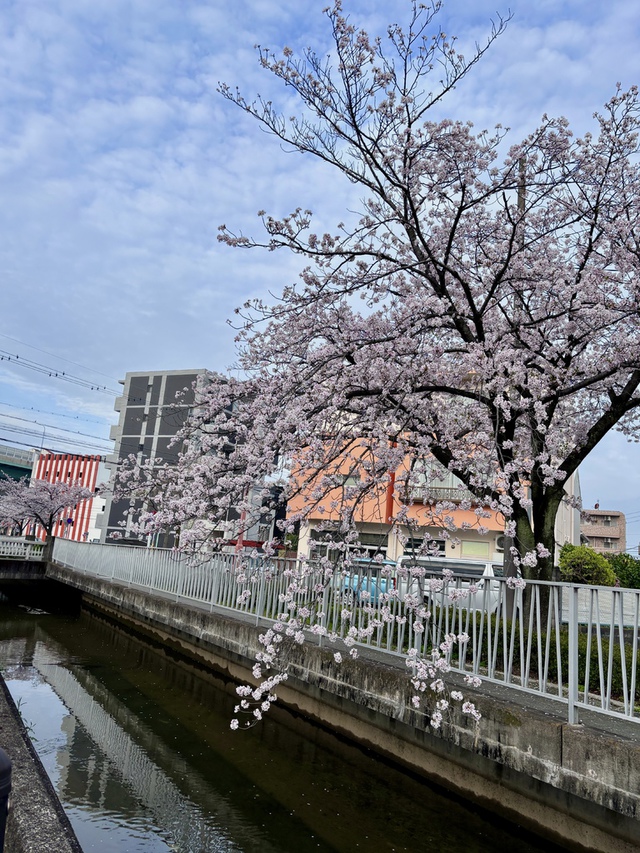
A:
[(55, 374), (61, 357), (42, 437), (53, 426), (39, 444), (48, 449), (55, 414)]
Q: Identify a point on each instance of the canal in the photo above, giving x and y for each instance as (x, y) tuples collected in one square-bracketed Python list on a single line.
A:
[(138, 746)]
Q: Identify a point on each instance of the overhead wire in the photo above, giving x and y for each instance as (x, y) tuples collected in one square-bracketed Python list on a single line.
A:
[(56, 414), (60, 357), (53, 373), (54, 427), (39, 445)]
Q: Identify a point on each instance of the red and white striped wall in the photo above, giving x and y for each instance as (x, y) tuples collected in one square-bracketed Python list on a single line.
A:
[(69, 468)]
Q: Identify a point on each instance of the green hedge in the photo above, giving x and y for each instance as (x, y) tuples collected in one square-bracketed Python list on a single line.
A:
[(552, 673)]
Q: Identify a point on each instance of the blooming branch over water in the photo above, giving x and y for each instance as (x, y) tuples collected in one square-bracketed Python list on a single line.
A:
[(312, 610)]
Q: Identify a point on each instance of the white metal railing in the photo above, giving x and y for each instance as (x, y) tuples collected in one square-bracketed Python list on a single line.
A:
[(16, 548), (13, 453), (575, 644)]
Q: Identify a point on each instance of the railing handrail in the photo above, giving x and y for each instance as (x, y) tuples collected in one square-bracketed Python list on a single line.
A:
[(554, 638), (20, 548)]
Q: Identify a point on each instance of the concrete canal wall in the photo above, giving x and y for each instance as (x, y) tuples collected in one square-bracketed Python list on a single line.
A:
[(574, 784), (37, 822)]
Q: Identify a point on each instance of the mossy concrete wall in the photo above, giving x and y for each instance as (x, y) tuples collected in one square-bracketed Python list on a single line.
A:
[(36, 822), (578, 786)]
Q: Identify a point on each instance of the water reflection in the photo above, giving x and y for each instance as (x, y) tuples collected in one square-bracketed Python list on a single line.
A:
[(107, 750), (139, 749)]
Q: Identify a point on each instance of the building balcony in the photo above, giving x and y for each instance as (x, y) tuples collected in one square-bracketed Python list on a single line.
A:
[(434, 495), (610, 531)]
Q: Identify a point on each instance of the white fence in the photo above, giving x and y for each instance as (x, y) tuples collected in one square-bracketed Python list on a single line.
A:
[(577, 645), (14, 548)]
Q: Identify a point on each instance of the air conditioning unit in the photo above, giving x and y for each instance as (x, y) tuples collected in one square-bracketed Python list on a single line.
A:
[(500, 542)]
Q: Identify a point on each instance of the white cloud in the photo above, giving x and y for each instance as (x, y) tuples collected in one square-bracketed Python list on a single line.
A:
[(118, 161)]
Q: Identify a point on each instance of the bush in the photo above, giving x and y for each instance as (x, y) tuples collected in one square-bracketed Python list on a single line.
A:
[(618, 663), (580, 564), (549, 667), (626, 569)]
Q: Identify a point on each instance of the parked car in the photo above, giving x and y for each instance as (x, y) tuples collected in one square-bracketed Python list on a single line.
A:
[(369, 577), (466, 574)]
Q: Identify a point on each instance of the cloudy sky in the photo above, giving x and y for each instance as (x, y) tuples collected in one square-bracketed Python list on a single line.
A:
[(118, 162)]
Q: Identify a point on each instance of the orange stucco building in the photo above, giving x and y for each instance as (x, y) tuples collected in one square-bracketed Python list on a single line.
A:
[(456, 530)]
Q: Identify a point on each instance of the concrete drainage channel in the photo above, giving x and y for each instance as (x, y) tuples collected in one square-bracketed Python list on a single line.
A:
[(36, 822)]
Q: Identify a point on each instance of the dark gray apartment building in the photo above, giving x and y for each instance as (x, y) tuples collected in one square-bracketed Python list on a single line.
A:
[(153, 407)]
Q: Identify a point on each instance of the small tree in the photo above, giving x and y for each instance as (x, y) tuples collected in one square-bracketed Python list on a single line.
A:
[(39, 501), (581, 564)]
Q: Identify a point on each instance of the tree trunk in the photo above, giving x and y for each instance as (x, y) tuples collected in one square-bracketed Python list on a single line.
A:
[(542, 532), (544, 526), (525, 540), (47, 553)]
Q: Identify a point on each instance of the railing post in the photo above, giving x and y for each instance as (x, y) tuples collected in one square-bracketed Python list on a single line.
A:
[(573, 655), (180, 580), (154, 570), (260, 596), (217, 570), (133, 560)]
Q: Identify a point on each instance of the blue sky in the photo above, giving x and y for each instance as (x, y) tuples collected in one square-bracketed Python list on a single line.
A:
[(118, 162)]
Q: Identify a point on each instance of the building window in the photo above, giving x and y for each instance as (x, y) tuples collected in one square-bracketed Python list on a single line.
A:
[(369, 546), (350, 480), (474, 549), (414, 544)]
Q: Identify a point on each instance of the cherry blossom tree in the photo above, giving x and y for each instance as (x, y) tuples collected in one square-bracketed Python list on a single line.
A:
[(483, 311), (39, 501), (481, 316)]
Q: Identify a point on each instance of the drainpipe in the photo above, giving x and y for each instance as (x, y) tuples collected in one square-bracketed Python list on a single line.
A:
[(390, 490)]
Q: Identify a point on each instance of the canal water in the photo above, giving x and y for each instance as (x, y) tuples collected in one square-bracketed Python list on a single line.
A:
[(138, 746)]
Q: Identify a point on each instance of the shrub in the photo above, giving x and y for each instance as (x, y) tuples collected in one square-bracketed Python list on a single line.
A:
[(626, 569), (580, 564)]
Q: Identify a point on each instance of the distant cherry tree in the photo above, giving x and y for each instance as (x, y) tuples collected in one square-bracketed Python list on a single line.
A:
[(39, 502)]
